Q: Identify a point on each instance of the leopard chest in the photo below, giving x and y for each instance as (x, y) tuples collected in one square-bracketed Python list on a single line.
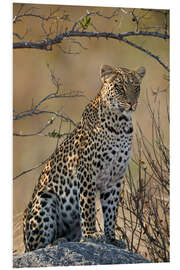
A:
[(113, 155)]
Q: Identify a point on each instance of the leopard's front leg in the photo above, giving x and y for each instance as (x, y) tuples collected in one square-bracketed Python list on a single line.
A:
[(88, 209), (110, 201)]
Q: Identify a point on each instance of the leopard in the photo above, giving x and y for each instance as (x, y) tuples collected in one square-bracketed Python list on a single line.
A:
[(92, 159)]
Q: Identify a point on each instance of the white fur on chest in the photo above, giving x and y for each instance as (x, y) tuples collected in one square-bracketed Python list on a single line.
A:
[(114, 162)]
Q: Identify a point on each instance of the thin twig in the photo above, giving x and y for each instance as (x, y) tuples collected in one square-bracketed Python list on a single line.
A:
[(43, 18), (31, 169), (35, 108), (33, 134)]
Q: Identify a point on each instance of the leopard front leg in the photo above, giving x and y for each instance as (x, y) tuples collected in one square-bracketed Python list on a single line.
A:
[(110, 201), (88, 209)]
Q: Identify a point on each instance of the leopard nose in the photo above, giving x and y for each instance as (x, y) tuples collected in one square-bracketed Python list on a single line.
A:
[(131, 102), (132, 105)]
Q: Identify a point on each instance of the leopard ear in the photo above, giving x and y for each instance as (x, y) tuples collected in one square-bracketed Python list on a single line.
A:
[(105, 72), (140, 73)]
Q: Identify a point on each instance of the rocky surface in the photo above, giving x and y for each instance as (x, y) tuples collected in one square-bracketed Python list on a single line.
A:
[(87, 253)]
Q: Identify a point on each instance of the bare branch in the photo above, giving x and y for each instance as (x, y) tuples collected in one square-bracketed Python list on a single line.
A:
[(35, 108), (84, 22), (31, 169), (36, 133), (58, 39), (47, 44), (19, 37), (29, 13), (147, 52)]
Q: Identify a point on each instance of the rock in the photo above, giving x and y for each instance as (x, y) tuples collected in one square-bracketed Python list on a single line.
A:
[(71, 253)]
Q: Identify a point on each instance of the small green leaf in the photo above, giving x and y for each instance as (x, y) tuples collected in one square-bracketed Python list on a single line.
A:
[(88, 21), (85, 20)]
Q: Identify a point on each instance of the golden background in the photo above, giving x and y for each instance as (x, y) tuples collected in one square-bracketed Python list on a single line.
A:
[(78, 71)]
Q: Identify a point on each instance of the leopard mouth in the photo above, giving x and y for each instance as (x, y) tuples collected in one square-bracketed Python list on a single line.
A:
[(129, 109)]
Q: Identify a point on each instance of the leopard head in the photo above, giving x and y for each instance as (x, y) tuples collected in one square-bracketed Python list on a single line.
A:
[(121, 87)]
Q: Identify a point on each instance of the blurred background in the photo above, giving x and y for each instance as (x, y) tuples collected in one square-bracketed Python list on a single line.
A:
[(76, 62)]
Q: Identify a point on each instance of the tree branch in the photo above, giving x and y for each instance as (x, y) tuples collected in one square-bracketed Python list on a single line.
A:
[(147, 52), (58, 39), (35, 108), (48, 43)]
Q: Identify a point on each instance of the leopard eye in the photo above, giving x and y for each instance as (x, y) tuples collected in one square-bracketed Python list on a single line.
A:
[(120, 89)]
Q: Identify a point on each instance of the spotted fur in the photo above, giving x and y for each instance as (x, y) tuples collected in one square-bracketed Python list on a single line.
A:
[(93, 157)]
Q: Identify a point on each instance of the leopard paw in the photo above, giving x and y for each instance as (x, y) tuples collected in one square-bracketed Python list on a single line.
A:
[(57, 241), (93, 237), (116, 242)]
